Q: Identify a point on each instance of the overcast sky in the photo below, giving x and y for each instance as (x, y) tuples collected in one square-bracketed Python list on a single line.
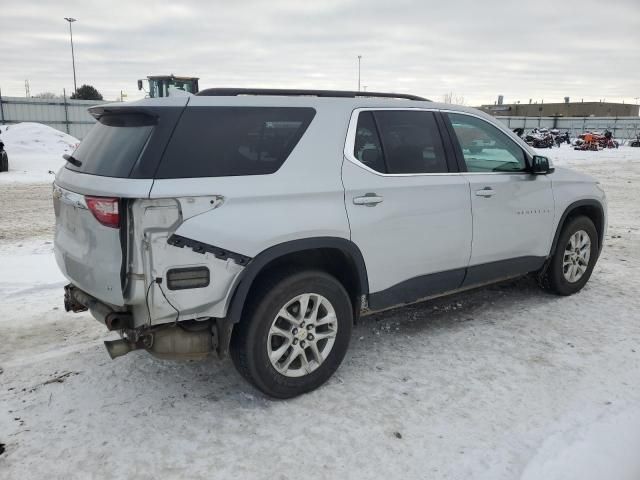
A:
[(475, 49)]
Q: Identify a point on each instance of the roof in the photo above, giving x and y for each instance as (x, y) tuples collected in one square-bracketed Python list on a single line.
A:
[(174, 77)]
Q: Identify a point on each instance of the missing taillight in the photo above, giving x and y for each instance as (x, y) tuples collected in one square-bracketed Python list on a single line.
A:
[(105, 209)]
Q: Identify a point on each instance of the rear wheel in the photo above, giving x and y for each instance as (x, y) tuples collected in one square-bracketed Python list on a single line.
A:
[(574, 258), (294, 334)]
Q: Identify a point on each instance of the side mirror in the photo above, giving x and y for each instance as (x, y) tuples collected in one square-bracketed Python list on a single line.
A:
[(139, 84), (541, 165)]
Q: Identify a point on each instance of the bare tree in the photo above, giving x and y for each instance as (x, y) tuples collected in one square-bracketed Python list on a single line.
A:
[(451, 97)]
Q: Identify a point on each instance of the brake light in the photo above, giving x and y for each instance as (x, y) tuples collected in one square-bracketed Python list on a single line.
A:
[(105, 209)]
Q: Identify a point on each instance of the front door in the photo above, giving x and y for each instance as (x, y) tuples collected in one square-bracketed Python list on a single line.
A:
[(513, 210), (409, 214)]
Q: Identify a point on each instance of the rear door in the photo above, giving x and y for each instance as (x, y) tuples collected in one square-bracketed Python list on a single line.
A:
[(512, 209), (89, 253), (408, 209), (92, 192)]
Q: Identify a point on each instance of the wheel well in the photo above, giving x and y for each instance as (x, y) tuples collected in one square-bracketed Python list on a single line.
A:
[(593, 212), (333, 261)]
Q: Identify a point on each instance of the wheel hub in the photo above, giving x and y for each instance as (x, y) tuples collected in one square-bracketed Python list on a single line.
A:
[(576, 257), (302, 335)]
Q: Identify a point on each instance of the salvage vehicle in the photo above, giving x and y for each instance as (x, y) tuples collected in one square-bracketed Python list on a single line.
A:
[(262, 223)]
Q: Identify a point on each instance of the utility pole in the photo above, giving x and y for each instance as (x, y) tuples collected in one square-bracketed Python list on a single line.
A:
[(359, 61), (73, 59)]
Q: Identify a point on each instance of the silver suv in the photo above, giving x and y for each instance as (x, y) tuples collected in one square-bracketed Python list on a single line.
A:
[(264, 222)]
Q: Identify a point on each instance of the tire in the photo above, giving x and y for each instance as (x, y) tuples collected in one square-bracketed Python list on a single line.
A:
[(253, 338), (4, 162), (556, 278)]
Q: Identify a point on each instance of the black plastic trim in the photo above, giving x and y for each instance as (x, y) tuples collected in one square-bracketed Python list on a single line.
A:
[(253, 269), (233, 92), (416, 288), (436, 284), (447, 142), (502, 269), (201, 247), (124, 235), (455, 144), (567, 212)]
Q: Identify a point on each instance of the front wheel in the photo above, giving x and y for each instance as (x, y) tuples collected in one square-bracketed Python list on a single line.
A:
[(572, 263), (294, 333)]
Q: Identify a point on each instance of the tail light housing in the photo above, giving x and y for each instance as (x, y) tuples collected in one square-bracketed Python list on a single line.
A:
[(105, 209)]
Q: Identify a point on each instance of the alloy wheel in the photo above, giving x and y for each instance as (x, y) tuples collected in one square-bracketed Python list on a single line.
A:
[(576, 257), (302, 335)]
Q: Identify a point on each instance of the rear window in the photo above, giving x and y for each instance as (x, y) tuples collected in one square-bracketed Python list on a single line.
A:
[(113, 145), (231, 141)]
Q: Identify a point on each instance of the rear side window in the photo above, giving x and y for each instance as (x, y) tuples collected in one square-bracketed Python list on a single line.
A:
[(400, 141), (113, 145), (231, 141)]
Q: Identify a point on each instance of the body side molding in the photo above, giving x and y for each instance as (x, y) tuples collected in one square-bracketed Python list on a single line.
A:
[(502, 269), (452, 281), (416, 288)]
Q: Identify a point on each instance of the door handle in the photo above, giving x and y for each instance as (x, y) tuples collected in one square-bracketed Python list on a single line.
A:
[(485, 192), (368, 199)]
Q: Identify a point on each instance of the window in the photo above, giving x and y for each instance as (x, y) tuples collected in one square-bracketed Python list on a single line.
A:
[(231, 141), (484, 147), (408, 142), (367, 148), (113, 145)]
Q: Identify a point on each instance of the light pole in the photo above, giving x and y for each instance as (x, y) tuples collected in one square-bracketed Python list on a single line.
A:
[(359, 60), (73, 59)]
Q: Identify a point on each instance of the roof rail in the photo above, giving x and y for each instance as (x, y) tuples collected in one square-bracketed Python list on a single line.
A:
[(233, 92)]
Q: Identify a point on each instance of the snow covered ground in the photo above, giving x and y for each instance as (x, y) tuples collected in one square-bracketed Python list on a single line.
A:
[(504, 382)]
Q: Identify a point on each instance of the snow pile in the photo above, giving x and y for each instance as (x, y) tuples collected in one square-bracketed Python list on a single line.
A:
[(34, 150)]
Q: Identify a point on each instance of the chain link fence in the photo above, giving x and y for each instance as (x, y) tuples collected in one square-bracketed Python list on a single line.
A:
[(622, 128)]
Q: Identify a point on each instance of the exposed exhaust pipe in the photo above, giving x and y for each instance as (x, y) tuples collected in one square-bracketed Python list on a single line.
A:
[(169, 342), (118, 348)]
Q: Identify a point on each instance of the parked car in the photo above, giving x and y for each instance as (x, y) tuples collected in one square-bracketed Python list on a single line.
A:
[(265, 222), (4, 159)]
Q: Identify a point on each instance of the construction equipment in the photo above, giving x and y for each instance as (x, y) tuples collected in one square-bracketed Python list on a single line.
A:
[(163, 85)]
